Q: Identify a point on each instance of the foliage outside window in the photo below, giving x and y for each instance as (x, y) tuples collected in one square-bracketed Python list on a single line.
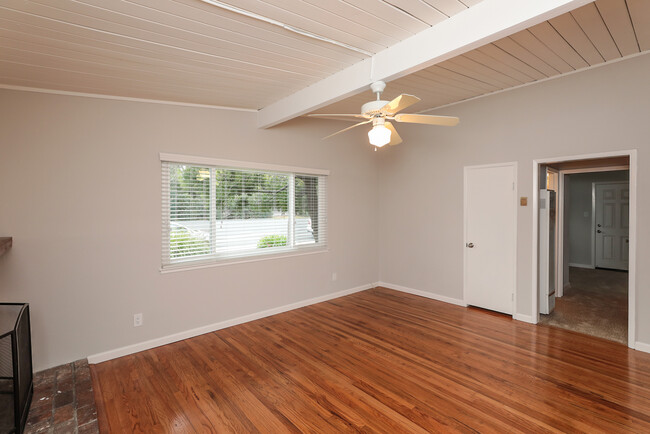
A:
[(213, 213)]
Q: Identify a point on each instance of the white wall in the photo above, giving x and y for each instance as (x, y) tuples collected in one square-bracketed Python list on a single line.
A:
[(578, 212), (421, 182), (80, 186)]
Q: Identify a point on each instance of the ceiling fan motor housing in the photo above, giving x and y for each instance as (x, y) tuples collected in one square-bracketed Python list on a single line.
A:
[(373, 106)]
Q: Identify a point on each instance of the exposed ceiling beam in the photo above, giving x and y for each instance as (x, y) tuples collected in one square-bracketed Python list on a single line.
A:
[(481, 24)]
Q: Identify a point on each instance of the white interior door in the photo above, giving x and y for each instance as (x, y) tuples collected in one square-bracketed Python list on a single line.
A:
[(490, 237), (612, 217)]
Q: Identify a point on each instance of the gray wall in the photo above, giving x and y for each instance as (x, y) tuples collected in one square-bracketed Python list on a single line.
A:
[(80, 193), (80, 189), (578, 212), (421, 182)]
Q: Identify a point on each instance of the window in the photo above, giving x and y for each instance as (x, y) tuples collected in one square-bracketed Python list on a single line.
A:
[(215, 210)]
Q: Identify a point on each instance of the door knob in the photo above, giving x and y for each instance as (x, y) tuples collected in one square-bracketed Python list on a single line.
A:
[(599, 231), (470, 245)]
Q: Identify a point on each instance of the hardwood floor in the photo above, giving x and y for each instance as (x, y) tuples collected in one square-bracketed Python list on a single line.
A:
[(379, 361)]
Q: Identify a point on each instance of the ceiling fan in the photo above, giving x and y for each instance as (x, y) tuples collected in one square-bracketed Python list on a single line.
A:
[(379, 112)]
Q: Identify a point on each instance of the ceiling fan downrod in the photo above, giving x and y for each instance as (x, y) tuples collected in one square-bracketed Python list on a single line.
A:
[(378, 87)]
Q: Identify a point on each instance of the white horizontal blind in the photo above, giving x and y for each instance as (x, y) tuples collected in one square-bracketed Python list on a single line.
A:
[(213, 213)]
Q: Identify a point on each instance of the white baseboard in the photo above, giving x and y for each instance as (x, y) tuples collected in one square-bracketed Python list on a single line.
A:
[(421, 293), (571, 264), (524, 318), (157, 342), (456, 301), (642, 347)]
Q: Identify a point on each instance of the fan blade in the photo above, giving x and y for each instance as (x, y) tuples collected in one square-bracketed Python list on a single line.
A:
[(395, 139), (448, 121), (348, 128), (340, 117), (399, 103)]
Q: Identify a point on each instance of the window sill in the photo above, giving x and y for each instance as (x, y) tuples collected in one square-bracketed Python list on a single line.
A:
[(186, 266)]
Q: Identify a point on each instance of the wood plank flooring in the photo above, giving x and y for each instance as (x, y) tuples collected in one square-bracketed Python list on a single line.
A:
[(379, 361)]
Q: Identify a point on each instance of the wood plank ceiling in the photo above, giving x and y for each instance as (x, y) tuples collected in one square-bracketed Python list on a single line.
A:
[(599, 32), (191, 51)]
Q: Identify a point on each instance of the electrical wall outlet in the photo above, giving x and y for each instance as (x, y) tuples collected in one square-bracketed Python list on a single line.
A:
[(334, 276), (137, 320)]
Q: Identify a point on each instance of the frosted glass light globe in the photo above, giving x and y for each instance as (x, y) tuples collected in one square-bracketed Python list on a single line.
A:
[(379, 136)]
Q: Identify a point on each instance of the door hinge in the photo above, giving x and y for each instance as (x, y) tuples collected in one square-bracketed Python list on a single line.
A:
[(512, 296)]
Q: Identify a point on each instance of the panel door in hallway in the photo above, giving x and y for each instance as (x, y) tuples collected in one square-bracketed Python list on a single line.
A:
[(490, 236), (612, 215)]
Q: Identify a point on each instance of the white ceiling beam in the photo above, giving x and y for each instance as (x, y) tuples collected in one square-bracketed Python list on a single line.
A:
[(478, 25), (329, 90)]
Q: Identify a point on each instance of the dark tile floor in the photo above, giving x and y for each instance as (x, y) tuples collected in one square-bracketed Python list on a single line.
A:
[(63, 401), (594, 304)]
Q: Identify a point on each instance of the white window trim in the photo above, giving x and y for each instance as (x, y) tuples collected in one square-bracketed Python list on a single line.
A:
[(199, 263), (234, 164)]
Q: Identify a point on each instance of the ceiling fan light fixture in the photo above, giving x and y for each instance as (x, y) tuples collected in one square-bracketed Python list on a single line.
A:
[(379, 112), (379, 135)]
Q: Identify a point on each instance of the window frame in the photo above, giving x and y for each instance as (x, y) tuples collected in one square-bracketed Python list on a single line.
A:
[(170, 265)]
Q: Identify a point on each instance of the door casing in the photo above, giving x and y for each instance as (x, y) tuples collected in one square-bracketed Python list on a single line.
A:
[(632, 154), (561, 215)]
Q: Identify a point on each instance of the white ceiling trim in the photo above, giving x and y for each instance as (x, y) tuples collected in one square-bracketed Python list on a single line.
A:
[(478, 25), (120, 98), (587, 68)]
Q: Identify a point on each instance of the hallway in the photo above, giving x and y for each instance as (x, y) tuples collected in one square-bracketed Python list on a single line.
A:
[(595, 304)]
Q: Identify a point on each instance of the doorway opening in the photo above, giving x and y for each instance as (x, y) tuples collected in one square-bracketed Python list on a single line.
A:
[(585, 215)]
